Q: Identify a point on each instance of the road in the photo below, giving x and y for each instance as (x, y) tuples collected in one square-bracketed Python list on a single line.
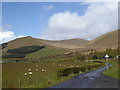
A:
[(93, 79)]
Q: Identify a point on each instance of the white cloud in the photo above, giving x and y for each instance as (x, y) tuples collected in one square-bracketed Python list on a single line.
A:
[(48, 7), (7, 35), (20, 36), (98, 19)]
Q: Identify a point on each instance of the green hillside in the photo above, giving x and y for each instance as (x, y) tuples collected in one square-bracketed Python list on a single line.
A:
[(48, 51)]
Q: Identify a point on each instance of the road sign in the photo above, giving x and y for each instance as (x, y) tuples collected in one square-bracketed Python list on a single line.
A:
[(106, 56)]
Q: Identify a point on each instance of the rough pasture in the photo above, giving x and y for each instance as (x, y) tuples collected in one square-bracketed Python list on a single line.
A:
[(16, 74)]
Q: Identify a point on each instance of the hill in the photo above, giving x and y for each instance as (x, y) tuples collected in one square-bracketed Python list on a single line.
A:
[(51, 48), (47, 51), (62, 47), (30, 41), (108, 40), (20, 42)]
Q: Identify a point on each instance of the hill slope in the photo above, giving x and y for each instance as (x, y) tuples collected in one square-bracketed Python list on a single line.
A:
[(108, 40), (69, 43), (20, 42)]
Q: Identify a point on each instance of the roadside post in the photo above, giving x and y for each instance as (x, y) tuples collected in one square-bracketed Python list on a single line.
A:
[(106, 56)]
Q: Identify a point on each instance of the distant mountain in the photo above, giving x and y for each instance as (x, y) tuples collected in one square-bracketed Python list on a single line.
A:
[(69, 43)]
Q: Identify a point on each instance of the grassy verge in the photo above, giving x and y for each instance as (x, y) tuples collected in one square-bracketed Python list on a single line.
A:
[(52, 82), (113, 71)]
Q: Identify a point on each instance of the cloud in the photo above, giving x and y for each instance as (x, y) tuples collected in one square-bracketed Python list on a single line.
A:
[(20, 36), (98, 19), (7, 35), (48, 7)]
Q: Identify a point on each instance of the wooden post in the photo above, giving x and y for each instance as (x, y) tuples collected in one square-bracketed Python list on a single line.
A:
[(29, 81), (19, 81), (36, 80), (49, 82)]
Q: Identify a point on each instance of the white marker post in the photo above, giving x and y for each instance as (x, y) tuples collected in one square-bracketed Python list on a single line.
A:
[(106, 56)]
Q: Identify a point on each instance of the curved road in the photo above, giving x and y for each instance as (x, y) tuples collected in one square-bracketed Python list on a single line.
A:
[(93, 79)]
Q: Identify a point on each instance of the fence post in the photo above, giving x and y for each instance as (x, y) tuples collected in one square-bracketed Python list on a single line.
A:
[(19, 81)]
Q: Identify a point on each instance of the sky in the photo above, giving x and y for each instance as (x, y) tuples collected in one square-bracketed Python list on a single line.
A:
[(57, 20)]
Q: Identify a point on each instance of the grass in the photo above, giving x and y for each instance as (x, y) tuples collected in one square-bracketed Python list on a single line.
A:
[(13, 73), (114, 70), (53, 82)]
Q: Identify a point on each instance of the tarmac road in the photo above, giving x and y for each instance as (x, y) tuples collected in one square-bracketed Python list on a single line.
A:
[(93, 79)]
